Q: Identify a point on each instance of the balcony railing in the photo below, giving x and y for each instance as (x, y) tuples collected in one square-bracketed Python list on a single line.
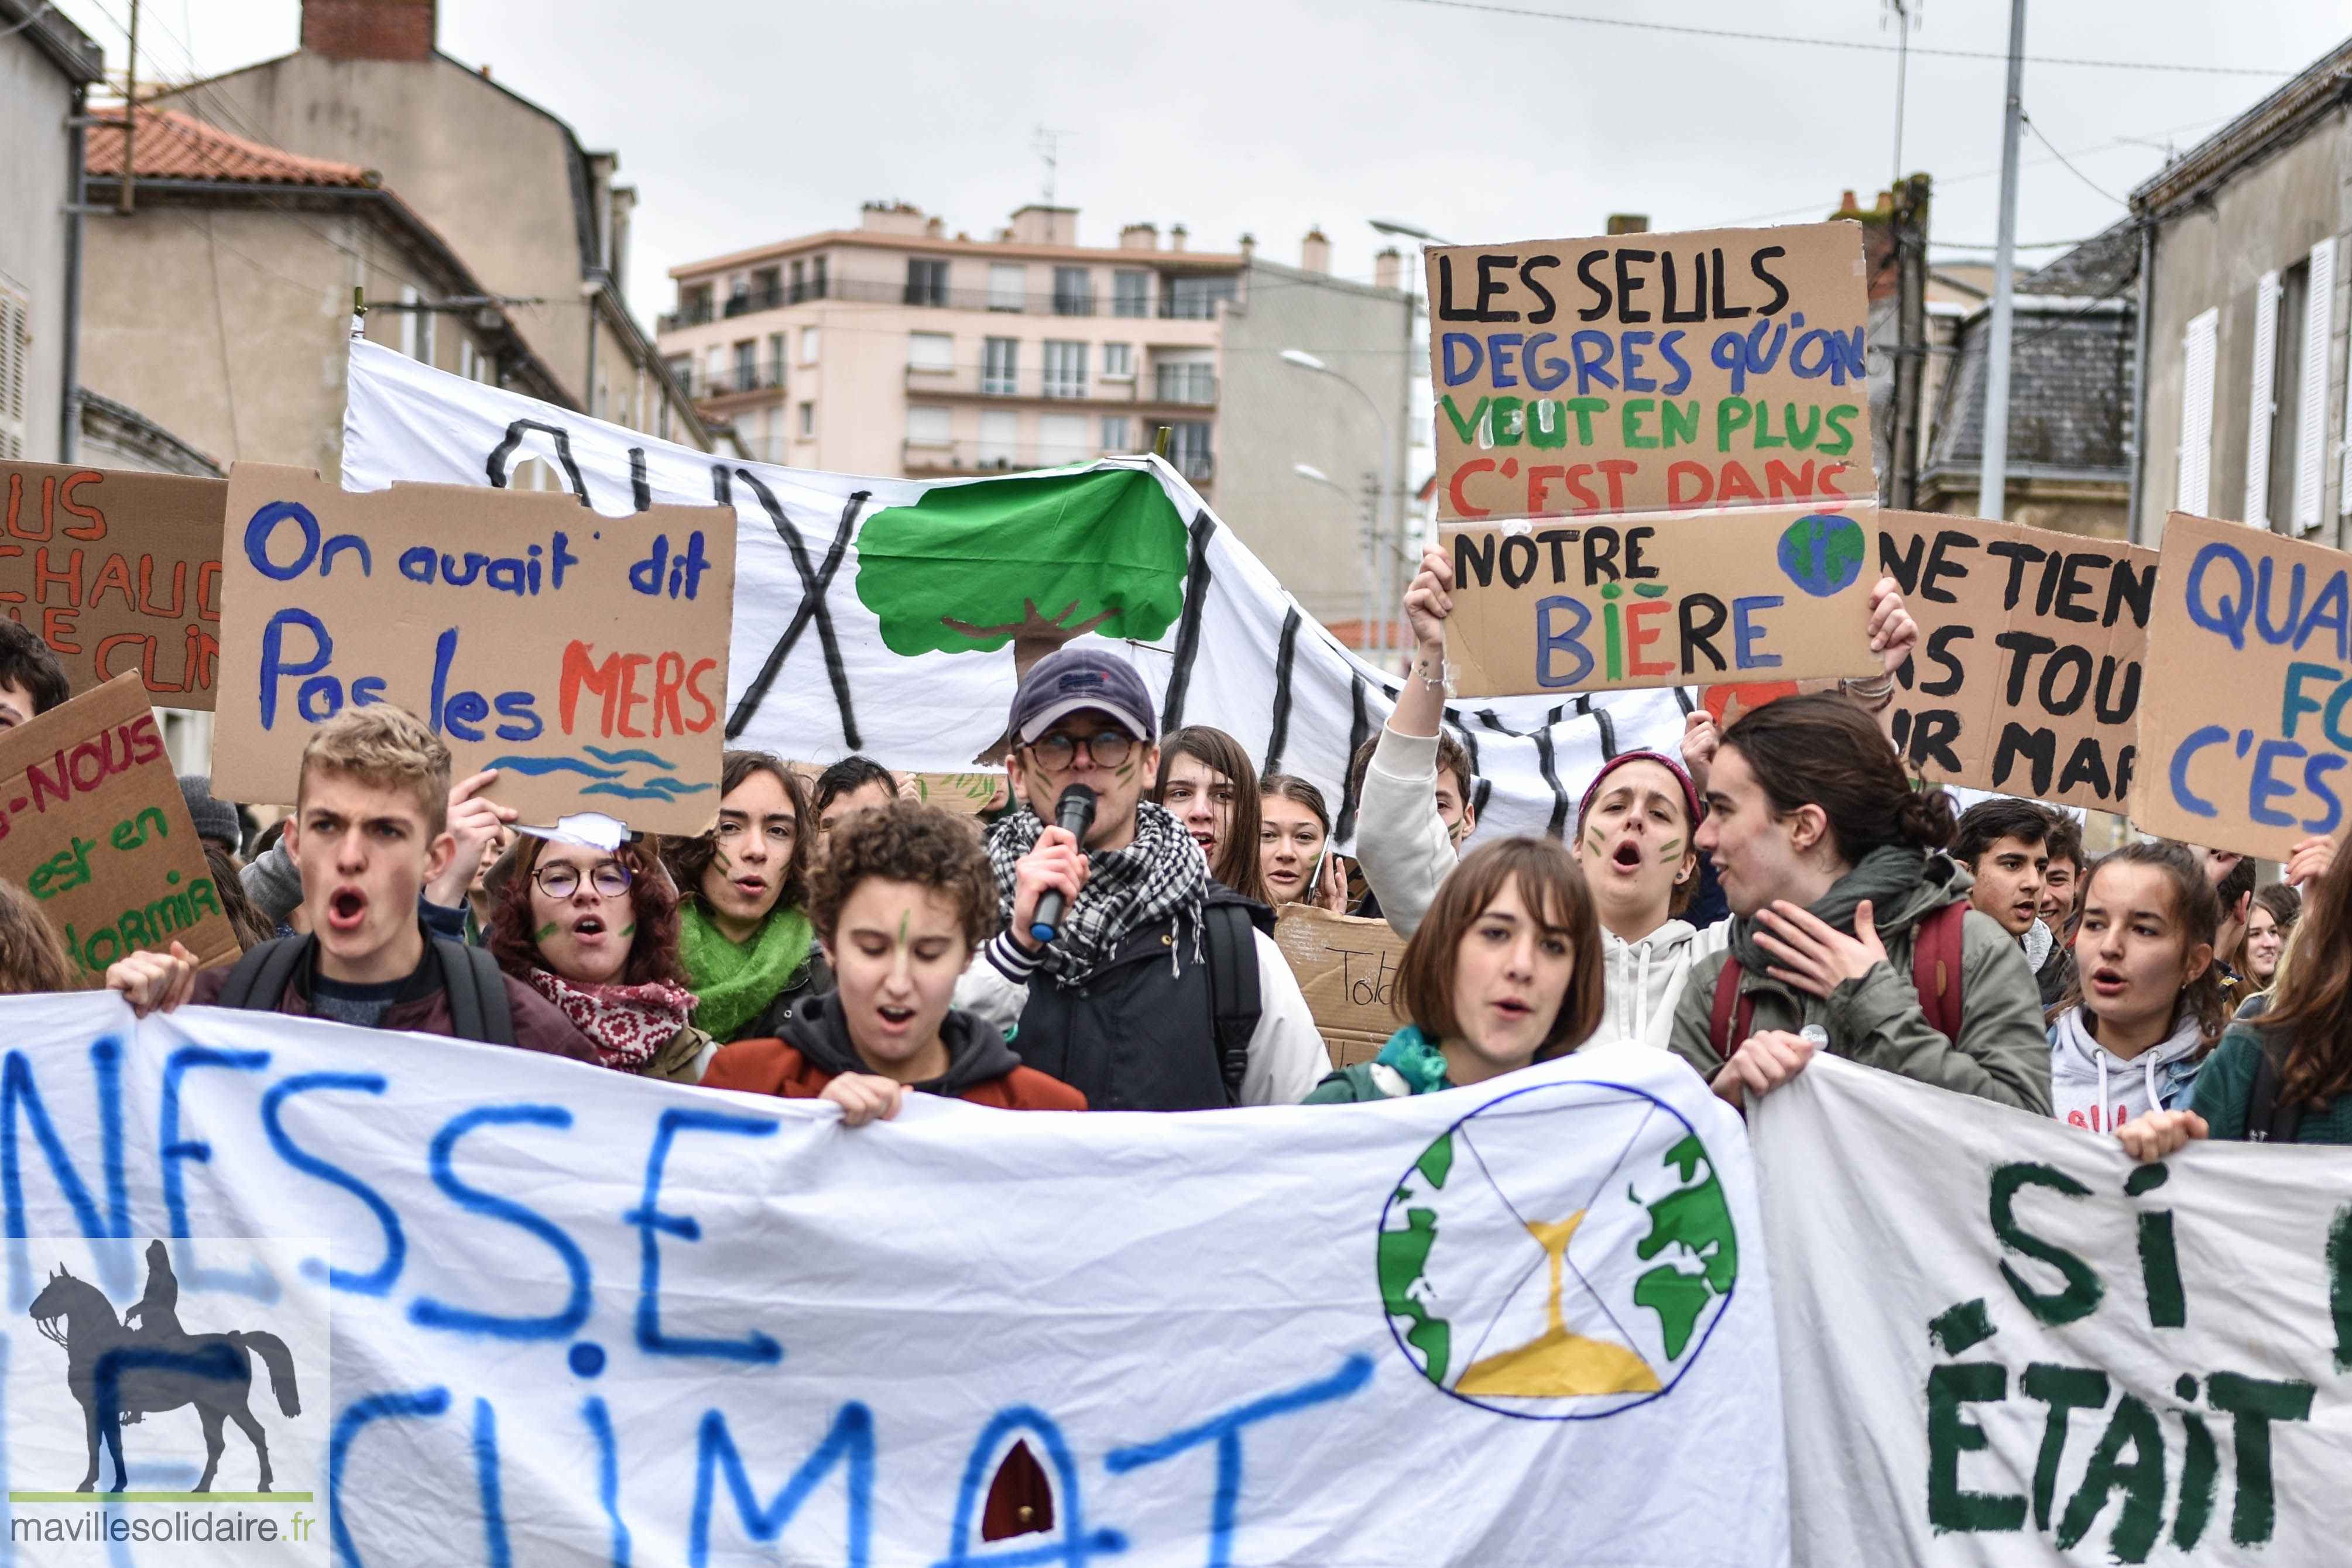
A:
[(699, 311), (1127, 392), (999, 457), (729, 380), (693, 313)]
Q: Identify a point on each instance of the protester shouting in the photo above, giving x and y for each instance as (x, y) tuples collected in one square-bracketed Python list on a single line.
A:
[(2004, 842), (743, 933), (1823, 850), (1636, 832), (2285, 1076), (2135, 1028), (370, 831), (596, 932), (1503, 971), (1294, 843), (1141, 1000), (1207, 782), (903, 898)]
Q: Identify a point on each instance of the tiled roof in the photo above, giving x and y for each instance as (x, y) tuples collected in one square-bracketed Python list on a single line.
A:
[(174, 146)]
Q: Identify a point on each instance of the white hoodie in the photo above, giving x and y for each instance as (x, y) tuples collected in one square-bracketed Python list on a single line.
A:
[(1643, 980), (2093, 1088)]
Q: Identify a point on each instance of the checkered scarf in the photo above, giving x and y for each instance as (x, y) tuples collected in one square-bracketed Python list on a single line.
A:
[(1160, 873)]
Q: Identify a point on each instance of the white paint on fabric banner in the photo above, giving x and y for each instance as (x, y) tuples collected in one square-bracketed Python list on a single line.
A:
[(585, 1318), (936, 711), (2006, 1342)]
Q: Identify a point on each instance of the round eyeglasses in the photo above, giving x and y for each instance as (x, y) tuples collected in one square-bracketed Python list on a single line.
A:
[(561, 880), (1056, 751)]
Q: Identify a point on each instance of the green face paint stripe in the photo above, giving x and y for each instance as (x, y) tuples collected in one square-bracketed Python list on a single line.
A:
[(1673, 848), (630, 929), (544, 932), (902, 930), (1600, 845)]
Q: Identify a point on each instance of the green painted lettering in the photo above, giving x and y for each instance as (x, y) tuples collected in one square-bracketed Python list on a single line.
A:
[(2141, 1482), (2083, 1288), (2066, 1389), (2253, 1403), (1951, 1434)]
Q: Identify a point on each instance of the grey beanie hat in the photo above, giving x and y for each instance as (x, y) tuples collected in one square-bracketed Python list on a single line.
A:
[(215, 820)]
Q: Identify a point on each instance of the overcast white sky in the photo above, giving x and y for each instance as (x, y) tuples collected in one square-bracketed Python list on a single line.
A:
[(742, 122)]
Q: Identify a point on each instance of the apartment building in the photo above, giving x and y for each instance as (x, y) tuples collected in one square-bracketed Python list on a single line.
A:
[(47, 65), (897, 348)]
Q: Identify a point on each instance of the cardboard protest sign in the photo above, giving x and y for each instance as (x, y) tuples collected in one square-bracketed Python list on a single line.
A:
[(2027, 677), (1650, 373), (1772, 593), (583, 656), (1347, 969), (93, 825), (118, 571), (2250, 654)]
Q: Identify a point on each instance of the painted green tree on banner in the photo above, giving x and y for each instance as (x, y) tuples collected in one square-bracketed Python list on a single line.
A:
[(1032, 562)]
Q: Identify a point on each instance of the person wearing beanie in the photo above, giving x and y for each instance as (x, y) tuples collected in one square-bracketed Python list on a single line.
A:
[(216, 821), (1636, 840)]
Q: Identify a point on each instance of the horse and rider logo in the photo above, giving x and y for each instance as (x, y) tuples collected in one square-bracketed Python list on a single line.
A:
[(119, 1374)]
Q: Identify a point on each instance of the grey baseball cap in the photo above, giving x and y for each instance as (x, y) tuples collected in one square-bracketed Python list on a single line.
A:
[(1071, 679)]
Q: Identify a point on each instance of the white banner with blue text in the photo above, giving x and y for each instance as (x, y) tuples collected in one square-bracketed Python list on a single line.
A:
[(579, 1317)]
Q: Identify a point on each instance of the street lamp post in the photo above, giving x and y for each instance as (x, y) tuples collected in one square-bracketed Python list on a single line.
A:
[(1377, 580)]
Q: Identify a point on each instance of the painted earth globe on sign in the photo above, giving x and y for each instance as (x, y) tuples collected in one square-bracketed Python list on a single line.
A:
[(1555, 1288)]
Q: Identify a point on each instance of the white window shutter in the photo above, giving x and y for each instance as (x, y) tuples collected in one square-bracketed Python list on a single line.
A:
[(2311, 417), (14, 325), (2192, 493), (2261, 386)]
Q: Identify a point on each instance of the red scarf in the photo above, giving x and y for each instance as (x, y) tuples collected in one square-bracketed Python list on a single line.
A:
[(626, 1024)]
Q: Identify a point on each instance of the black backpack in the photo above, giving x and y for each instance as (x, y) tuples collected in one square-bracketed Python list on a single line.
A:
[(1234, 1001), (478, 1007)]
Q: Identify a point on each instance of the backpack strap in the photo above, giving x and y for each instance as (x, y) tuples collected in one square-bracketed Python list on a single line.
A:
[(2267, 1121), (259, 982), (1734, 1018), (1935, 967), (479, 1006), (1234, 999)]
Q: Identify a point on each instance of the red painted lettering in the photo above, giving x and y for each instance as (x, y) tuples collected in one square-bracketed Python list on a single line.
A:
[(579, 671)]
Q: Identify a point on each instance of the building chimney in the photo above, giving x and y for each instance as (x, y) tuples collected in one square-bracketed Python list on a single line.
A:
[(1037, 224), (1629, 223), (1249, 248), (369, 29), (1314, 252), (1388, 269), (1176, 238), (1139, 237), (892, 217)]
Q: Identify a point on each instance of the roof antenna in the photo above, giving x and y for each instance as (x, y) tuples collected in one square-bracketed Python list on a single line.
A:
[(1048, 144)]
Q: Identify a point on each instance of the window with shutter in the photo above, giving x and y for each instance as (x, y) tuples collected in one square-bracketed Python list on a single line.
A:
[(15, 328), (2311, 415), (2191, 493), (2262, 391)]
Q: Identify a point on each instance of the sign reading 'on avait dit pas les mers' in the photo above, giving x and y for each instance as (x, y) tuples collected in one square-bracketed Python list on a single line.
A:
[(582, 656), (1647, 372)]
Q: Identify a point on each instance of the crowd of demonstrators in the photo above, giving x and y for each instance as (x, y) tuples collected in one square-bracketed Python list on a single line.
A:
[(2062, 889), (1294, 852), (852, 785), (901, 902), (369, 832), (2133, 1031), (1207, 782), (1845, 919), (596, 932), (1503, 971), (1161, 987), (744, 934)]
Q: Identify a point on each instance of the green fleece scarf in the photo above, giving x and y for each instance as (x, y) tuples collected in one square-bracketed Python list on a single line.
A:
[(1421, 1064), (737, 981)]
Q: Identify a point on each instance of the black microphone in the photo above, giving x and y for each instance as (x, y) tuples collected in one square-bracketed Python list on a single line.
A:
[(1075, 814)]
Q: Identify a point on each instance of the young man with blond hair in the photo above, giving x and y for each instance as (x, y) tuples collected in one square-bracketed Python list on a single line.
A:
[(370, 829)]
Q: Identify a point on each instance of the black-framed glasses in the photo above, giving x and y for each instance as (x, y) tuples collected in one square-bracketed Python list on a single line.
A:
[(1056, 751), (561, 880)]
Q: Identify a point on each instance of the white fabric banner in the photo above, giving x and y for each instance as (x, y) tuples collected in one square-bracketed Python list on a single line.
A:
[(2005, 1342), (811, 678), (583, 1318)]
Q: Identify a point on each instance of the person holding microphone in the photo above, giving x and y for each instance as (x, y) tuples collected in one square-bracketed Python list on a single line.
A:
[(1123, 969)]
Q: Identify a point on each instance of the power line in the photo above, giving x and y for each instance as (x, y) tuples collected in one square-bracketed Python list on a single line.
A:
[(2069, 167), (1839, 43)]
